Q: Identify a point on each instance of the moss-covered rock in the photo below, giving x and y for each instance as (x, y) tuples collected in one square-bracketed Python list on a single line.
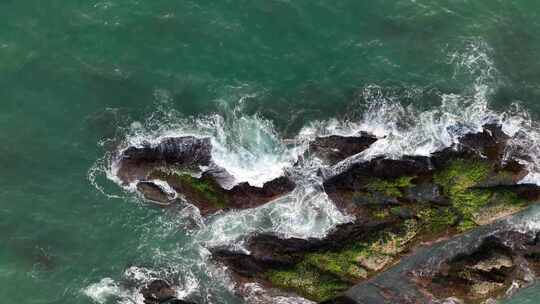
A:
[(201, 190), (392, 187), (208, 195), (183, 167), (398, 204), (323, 274), (308, 283)]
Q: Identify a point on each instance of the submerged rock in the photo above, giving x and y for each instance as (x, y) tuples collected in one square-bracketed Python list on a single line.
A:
[(182, 167), (333, 149), (399, 205)]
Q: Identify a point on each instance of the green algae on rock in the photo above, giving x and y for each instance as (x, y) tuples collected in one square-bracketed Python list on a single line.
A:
[(398, 205), (391, 188), (183, 167), (200, 190), (307, 282)]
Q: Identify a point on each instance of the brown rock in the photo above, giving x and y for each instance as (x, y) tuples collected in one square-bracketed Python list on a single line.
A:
[(333, 149), (157, 292), (374, 262), (155, 193), (483, 289), (495, 262), (188, 152)]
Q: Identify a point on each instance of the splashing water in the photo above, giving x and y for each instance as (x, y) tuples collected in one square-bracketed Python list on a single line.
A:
[(250, 149), (406, 131)]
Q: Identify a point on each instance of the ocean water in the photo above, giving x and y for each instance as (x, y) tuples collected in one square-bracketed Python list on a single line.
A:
[(79, 80)]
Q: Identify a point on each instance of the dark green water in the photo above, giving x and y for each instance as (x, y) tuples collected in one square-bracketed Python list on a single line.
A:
[(74, 73)]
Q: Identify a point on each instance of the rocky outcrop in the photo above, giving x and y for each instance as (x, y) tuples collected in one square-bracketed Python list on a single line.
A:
[(182, 167), (206, 193), (492, 262), (188, 153), (333, 149), (399, 205), (160, 292)]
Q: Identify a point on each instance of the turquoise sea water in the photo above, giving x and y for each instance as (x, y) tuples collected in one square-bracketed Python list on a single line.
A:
[(78, 77)]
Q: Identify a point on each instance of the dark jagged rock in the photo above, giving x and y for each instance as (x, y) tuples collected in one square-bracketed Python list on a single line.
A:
[(399, 205), (155, 193), (347, 189), (177, 162), (160, 292), (268, 251), (209, 196), (491, 142), (246, 195), (333, 149), (318, 268), (180, 152)]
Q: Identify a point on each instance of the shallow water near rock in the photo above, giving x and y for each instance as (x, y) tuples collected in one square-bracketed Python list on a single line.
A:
[(80, 79)]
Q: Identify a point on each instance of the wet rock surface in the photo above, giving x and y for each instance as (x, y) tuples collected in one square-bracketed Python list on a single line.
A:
[(180, 152), (399, 206), (205, 193), (487, 264), (182, 168), (333, 149), (160, 292)]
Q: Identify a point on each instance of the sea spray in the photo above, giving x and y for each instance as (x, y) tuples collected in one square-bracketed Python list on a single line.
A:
[(252, 151)]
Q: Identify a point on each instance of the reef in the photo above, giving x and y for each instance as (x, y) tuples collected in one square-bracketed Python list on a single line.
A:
[(181, 168), (402, 206)]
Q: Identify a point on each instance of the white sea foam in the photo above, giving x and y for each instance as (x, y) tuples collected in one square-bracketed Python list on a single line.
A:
[(166, 188), (306, 212), (404, 130), (107, 289), (101, 291), (527, 222), (249, 148)]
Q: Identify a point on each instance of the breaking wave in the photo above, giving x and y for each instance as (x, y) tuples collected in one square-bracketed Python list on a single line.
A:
[(250, 148)]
